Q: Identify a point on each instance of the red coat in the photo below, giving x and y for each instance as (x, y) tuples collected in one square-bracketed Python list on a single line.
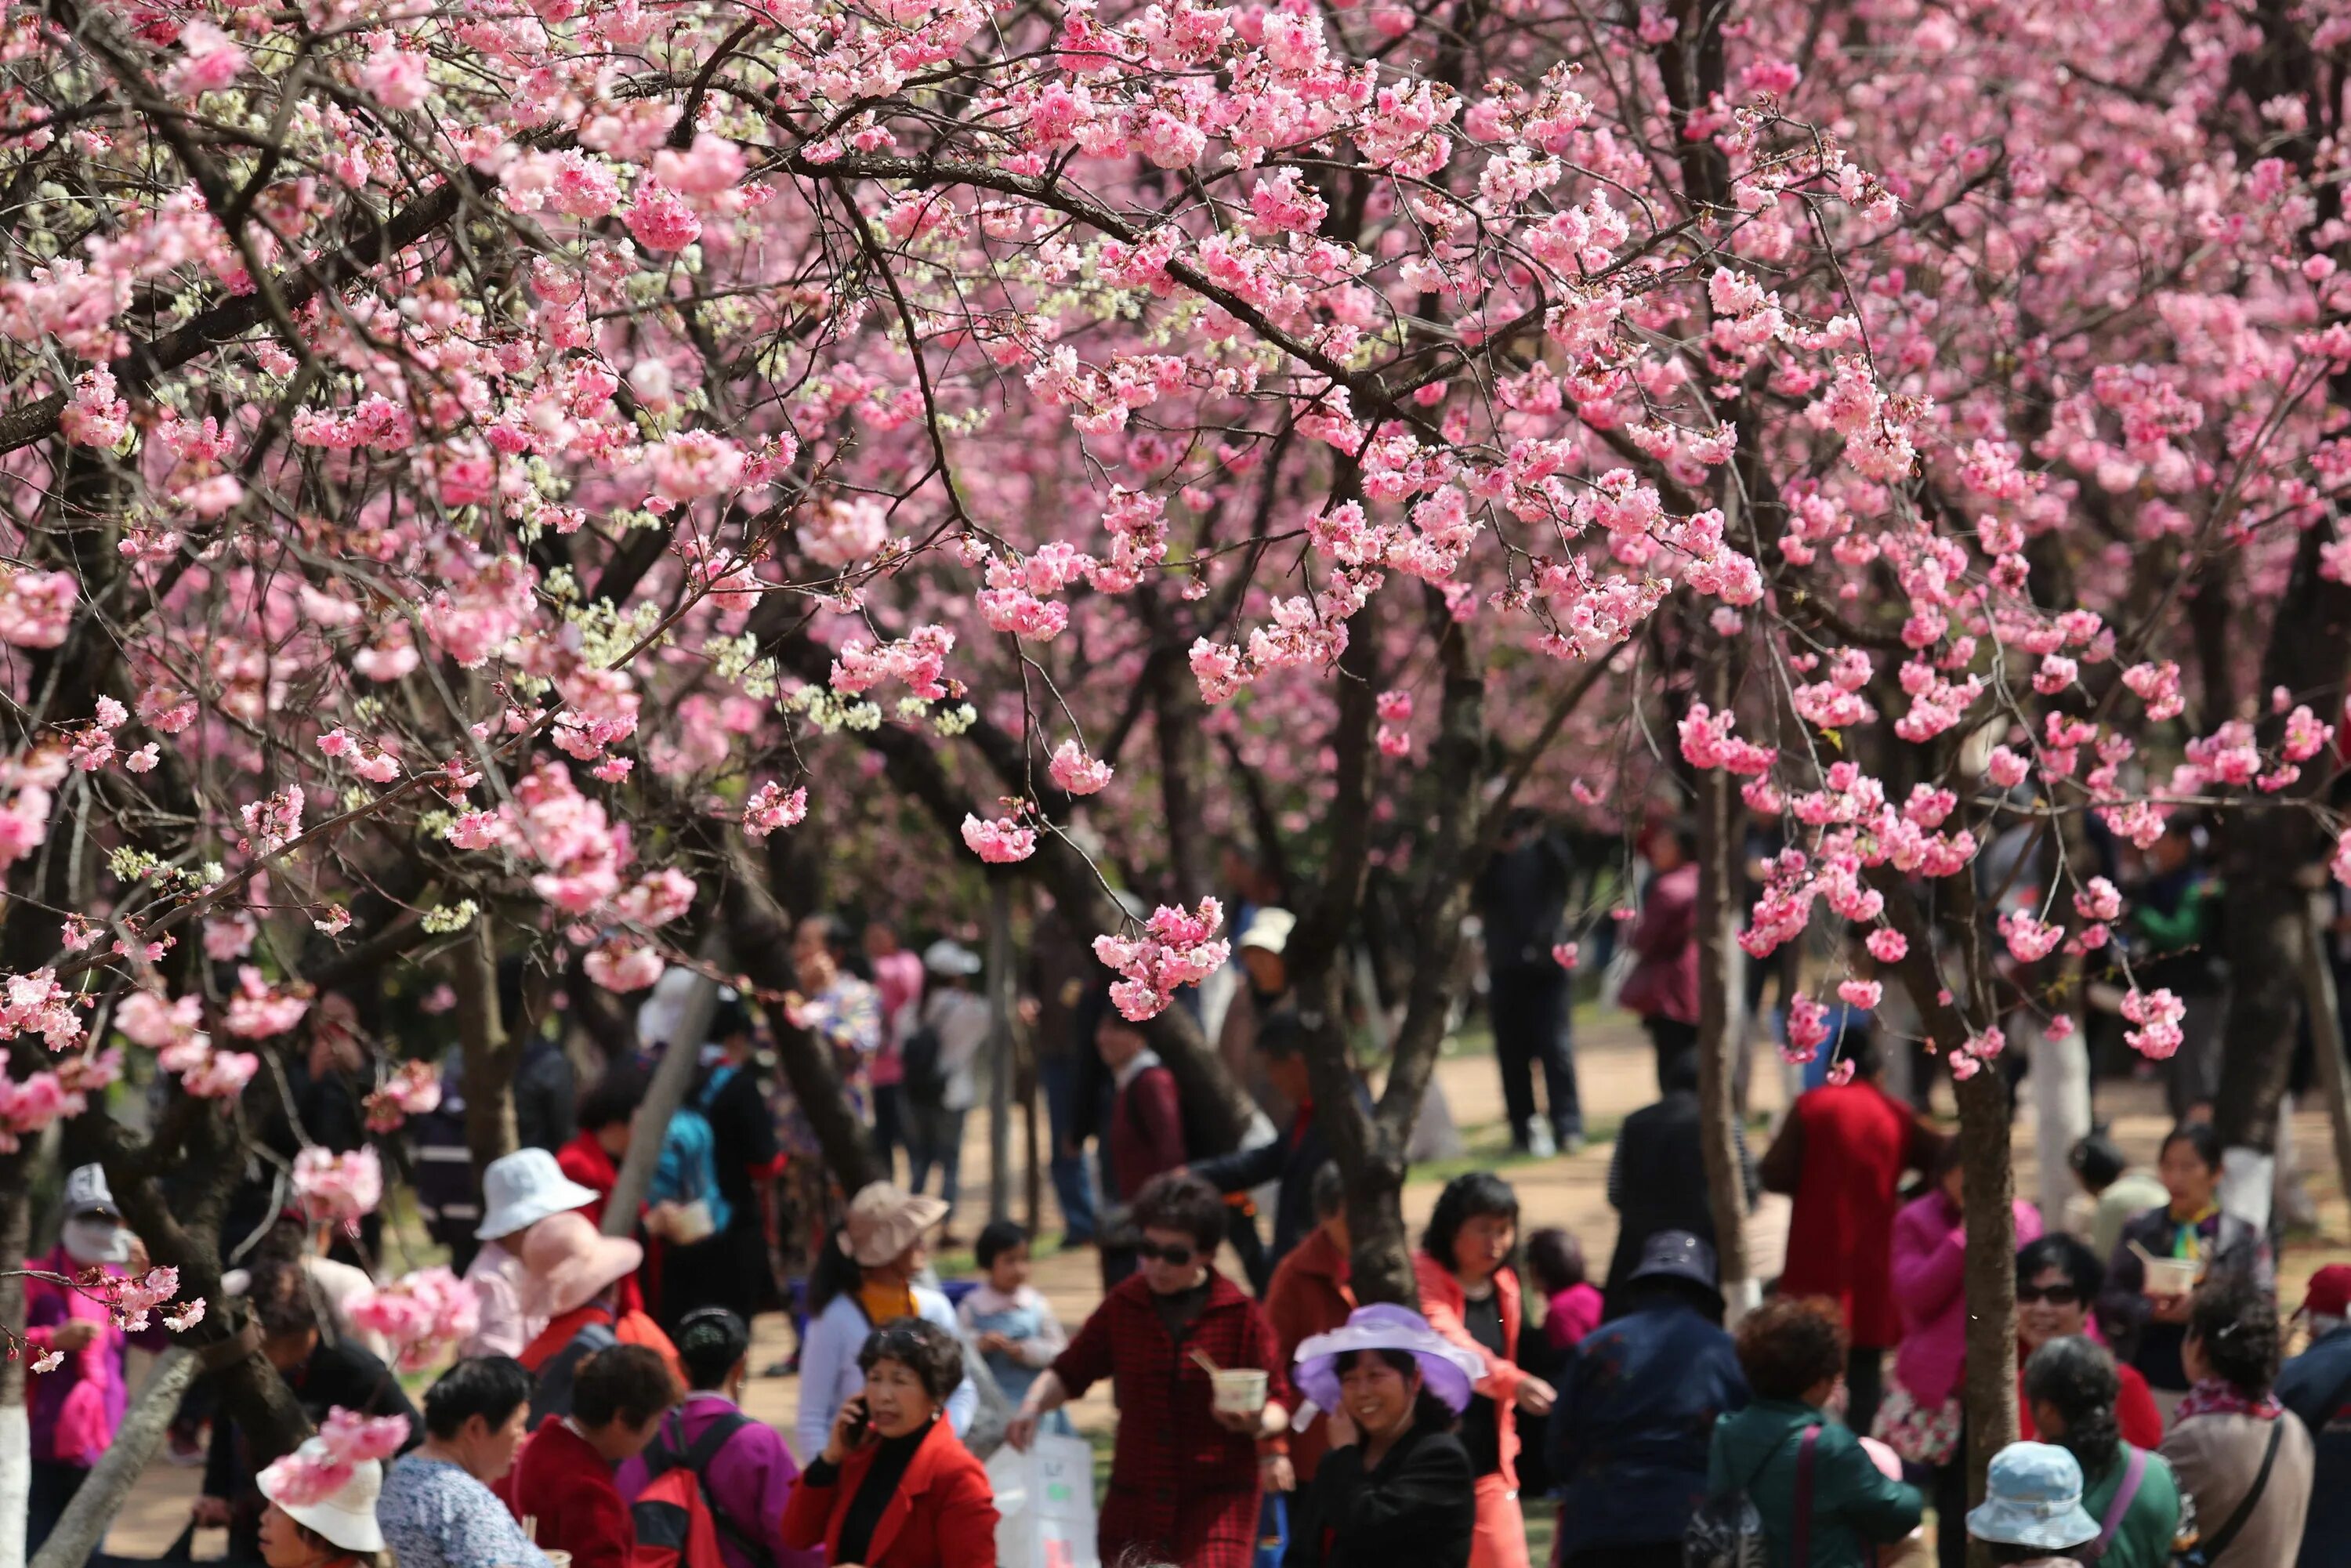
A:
[(1146, 1130), (1664, 940), (1442, 1300), (563, 1482), (1308, 1294), (1853, 1143), (1183, 1489), (943, 1514)]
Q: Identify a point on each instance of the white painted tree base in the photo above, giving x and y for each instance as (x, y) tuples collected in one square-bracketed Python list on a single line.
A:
[(16, 1481)]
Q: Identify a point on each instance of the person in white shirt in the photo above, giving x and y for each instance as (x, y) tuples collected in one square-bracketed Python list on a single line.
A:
[(954, 1025), (518, 1190), (864, 1280)]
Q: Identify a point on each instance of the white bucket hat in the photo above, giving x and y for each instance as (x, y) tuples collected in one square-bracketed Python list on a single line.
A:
[(345, 1517), (523, 1188)]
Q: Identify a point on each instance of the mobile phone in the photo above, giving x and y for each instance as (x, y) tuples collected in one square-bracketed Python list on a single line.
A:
[(859, 1423)]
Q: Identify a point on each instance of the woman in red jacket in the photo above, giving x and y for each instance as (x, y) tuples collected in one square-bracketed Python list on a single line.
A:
[(2057, 1279), (1185, 1477), (1469, 1293), (894, 1488)]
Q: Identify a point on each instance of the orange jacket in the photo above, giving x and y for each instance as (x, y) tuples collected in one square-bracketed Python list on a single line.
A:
[(1441, 1302)]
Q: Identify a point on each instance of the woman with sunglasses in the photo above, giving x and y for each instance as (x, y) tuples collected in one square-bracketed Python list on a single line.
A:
[(2057, 1278), (1185, 1477)]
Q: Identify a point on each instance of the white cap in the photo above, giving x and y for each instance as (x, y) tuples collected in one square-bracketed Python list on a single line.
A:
[(1270, 929), (523, 1188), (347, 1518), (87, 1193), (949, 957)]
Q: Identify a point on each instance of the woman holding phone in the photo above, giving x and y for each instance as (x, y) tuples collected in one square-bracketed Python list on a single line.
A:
[(893, 1486)]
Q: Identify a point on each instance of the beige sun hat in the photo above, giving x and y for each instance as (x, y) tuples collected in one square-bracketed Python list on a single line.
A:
[(347, 1516), (883, 1222), (565, 1262)]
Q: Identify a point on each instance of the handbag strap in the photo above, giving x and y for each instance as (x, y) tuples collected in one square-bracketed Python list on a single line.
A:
[(1801, 1541), (2133, 1473), (2227, 1535)]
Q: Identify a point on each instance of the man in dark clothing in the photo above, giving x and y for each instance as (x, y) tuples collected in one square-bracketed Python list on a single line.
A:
[(2174, 928), (1522, 901), (322, 1374), (1294, 1157), (448, 1194), (1637, 1403), (1061, 966), (1656, 1179), (2316, 1386), (545, 1088)]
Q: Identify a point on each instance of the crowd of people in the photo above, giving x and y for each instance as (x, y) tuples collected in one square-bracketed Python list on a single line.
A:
[(593, 1417)]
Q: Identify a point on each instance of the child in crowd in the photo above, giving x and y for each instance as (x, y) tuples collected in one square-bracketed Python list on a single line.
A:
[(1571, 1306), (1006, 1320)]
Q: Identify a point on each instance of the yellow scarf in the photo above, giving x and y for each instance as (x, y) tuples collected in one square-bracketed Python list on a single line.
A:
[(885, 1300), (2187, 1235)]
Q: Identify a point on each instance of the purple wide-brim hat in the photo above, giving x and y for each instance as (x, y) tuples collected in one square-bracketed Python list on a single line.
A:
[(1446, 1369)]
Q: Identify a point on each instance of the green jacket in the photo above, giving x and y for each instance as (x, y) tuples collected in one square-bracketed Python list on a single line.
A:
[(1854, 1504), (2145, 1539)]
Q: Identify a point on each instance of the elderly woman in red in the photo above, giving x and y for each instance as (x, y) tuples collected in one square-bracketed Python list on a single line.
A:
[(1469, 1294), (894, 1486), (1185, 1477)]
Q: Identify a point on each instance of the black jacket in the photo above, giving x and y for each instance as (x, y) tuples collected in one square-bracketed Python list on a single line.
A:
[(340, 1374), (1521, 899), (1656, 1181), (1293, 1159), (1420, 1507)]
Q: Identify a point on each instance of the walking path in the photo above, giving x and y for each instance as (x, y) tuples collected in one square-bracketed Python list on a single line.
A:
[(1616, 1074)]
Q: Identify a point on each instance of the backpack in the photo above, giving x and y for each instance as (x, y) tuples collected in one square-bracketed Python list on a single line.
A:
[(924, 1084), (688, 1170), (678, 1522), (1726, 1530), (551, 1391)]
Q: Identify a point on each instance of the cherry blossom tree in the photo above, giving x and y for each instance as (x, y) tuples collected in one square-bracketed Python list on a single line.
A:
[(503, 479)]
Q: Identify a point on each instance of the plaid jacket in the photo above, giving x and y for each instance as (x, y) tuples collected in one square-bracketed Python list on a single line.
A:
[(1182, 1488)]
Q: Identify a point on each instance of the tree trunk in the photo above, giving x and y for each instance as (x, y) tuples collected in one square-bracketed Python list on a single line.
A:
[(672, 1079), (761, 934), (1988, 1204), (490, 1051), (1720, 1031), (2323, 1008), (83, 1528)]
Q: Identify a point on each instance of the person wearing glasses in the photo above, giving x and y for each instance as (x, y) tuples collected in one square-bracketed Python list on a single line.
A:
[(1185, 1477), (2057, 1279)]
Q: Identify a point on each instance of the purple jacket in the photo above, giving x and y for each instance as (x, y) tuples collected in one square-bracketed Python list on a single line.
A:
[(76, 1409), (751, 1479), (1664, 940), (1930, 1293)]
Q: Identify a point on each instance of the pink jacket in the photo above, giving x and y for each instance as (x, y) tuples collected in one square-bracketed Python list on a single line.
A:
[(1930, 1293)]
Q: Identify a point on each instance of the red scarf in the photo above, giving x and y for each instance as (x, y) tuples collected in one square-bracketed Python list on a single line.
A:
[(2215, 1397)]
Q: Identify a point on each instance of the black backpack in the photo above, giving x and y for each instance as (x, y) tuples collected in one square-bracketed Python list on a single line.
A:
[(924, 1084), (1726, 1530)]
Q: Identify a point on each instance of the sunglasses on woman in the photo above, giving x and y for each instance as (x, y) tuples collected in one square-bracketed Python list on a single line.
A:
[(2055, 1295), (1175, 1256)]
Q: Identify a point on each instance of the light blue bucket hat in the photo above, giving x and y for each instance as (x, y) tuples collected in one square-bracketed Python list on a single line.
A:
[(2032, 1497)]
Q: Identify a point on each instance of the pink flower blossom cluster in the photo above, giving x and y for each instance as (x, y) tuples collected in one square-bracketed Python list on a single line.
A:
[(1177, 948), (413, 1089), (426, 1313), (340, 1188)]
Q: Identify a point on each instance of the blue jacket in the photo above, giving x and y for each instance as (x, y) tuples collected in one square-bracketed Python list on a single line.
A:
[(1637, 1404), (2316, 1386)]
